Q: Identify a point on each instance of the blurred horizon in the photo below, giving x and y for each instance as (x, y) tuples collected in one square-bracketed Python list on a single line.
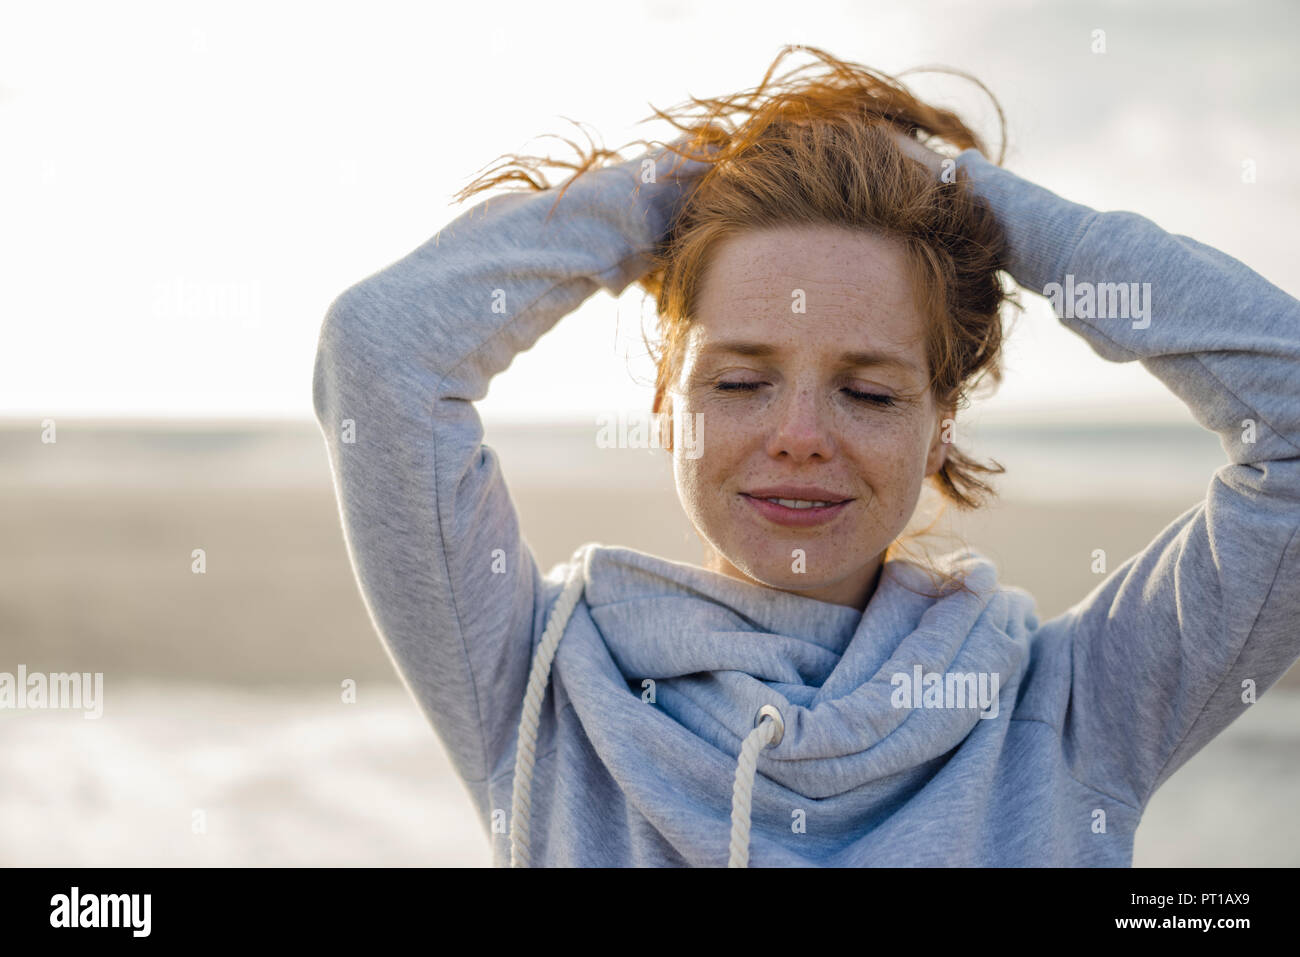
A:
[(1044, 418), (1047, 458)]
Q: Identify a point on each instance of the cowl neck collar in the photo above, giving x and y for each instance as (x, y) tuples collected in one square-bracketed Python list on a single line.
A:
[(711, 650)]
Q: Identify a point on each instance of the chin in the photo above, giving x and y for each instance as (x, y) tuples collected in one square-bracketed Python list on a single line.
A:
[(775, 571)]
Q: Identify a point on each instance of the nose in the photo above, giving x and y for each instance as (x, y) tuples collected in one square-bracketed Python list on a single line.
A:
[(801, 428)]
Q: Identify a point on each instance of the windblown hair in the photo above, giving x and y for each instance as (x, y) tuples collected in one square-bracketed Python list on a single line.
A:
[(819, 150)]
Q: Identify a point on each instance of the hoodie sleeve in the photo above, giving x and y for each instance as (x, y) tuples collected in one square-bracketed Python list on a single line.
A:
[(432, 534), (1171, 647)]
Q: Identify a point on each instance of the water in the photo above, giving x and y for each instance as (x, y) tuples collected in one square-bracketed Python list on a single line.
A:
[(293, 777)]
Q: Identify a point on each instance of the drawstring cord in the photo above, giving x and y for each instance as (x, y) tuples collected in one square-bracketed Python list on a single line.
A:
[(525, 753), (768, 730)]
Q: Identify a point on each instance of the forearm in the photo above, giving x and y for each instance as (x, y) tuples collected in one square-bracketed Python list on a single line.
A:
[(1221, 337), (454, 312)]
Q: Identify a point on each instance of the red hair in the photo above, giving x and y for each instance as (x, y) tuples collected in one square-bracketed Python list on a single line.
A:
[(821, 149)]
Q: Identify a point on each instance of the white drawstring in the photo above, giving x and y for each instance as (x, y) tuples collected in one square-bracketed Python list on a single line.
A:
[(768, 730), (525, 754)]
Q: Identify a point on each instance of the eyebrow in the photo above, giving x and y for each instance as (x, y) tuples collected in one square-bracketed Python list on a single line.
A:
[(762, 350)]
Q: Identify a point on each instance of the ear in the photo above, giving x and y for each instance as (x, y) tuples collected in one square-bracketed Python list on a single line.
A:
[(945, 430)]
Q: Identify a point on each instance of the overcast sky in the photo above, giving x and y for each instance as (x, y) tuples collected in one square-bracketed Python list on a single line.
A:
[(268, 155)]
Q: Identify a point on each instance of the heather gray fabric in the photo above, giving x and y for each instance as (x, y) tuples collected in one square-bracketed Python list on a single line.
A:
[(1094, 710)]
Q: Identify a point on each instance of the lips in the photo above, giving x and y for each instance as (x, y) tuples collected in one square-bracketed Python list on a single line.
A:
[(800, 517), (807, 493)]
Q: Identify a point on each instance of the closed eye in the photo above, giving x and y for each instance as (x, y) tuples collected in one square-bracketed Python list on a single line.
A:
[(870, 398)]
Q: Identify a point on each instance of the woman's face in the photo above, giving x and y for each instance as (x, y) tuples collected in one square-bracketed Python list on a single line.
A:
[(805, 372)]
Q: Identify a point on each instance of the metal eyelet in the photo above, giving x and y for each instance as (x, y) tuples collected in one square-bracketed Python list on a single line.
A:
[(770, 711)]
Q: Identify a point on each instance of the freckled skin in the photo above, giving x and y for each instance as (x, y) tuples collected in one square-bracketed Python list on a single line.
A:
[(803, 423)]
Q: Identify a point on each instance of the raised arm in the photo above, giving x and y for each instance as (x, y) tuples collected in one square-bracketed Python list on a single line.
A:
[(1164, 652), (434, 540)]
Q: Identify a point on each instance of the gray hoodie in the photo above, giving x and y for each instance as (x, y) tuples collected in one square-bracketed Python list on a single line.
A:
[(957, 730)]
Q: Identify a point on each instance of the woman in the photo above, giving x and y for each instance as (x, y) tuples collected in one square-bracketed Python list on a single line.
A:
[(828, 292)]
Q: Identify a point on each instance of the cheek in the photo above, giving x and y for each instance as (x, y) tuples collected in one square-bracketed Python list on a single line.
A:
[(892, 457), (704, 460), (686, 473)]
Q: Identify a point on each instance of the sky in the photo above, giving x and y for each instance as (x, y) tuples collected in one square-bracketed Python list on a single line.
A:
[(185, 187)]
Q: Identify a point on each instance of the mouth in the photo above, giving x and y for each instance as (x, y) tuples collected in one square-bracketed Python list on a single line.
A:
[(797, 511)]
